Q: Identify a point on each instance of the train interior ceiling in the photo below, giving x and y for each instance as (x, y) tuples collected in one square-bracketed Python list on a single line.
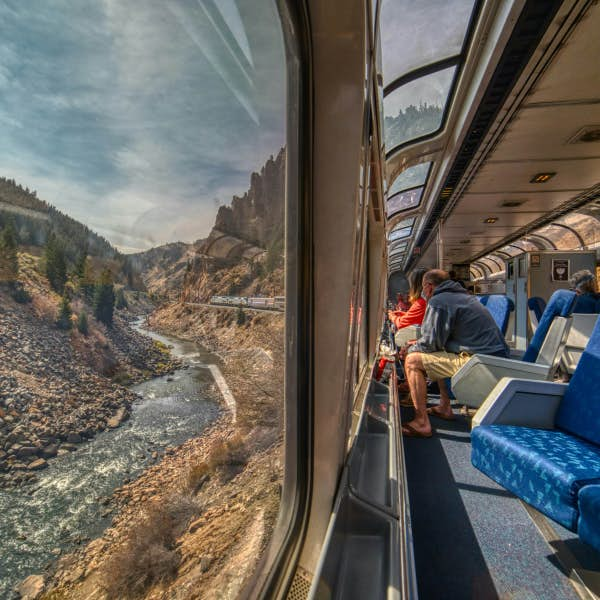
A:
[(491, 138)]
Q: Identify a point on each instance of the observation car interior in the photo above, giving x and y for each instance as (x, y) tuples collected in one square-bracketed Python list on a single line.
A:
[(461, 135)]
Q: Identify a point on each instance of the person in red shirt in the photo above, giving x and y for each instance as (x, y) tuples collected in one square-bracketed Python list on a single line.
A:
[(414, 315)]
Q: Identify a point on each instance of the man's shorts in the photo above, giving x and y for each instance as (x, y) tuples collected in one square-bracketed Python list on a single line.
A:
[(439, 365)]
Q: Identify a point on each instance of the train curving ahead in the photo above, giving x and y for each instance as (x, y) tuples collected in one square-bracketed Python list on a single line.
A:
[(258, 302)]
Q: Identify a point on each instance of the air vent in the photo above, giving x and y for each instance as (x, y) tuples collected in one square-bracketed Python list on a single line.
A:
[(588, 134), (512, 203)]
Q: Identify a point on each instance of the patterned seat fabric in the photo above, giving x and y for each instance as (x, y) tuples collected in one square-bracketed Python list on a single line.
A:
[(560, 305), (546, 468), (589, 515), (500, 308)]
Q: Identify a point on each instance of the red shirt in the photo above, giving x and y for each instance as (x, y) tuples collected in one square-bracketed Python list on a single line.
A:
[(413, 316)]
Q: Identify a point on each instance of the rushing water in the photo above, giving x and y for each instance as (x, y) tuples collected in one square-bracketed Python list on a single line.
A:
[(63, 506)]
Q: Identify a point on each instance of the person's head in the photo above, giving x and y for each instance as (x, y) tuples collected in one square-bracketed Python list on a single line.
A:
[(416, 284), (452, 275), (432, 279), (583, 282)]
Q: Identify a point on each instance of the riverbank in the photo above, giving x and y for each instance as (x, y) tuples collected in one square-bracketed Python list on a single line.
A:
[(219, 493), (59, 389)]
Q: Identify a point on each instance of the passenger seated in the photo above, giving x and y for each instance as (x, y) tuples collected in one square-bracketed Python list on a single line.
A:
[(583, 283), (456, 325), (414, 315)]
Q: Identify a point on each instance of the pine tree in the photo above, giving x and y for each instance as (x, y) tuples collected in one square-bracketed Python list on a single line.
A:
[(104, 298), (82, 323), (87, 285), (63, 320), (9, 264), (120, 300), (56, 265)]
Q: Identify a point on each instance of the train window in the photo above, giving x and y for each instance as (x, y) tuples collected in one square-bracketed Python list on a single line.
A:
[(397, 247), (143, 317), (410, 178), (562, 237), (404, 201), (402, 229), (431, 31), (417, 108), (587, 226)]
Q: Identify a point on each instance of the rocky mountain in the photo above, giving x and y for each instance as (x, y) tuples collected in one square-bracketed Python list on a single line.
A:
[(243, 254), (257, 217)]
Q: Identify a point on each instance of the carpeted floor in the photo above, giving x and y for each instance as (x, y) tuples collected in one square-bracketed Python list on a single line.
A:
[(472, 538)]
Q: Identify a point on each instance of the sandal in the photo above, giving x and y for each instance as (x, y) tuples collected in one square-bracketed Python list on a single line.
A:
[(409, 431), (434, 413)]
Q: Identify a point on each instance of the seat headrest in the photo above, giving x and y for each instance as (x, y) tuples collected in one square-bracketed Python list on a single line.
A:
[(560, 305), (500, 307), (537, 305)]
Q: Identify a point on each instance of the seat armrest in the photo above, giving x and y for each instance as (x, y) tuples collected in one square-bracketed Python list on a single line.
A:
[(524, 402)]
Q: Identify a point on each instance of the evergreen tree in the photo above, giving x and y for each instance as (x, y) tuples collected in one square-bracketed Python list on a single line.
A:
[(120, 300), (87, 285), (80, 264), (56, 265), (104, 298), (9, 264), (82, 323), (63, 320)]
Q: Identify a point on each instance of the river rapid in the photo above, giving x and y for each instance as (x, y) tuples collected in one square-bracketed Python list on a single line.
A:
[(65, 507)]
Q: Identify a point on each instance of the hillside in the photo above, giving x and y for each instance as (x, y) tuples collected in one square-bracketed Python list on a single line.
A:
[(34, 219)]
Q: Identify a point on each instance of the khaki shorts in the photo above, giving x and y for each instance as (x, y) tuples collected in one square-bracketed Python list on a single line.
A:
[(439, 365)]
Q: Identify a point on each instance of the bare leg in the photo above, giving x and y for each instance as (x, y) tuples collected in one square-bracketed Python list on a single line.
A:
[(443, 408), (415, 375)]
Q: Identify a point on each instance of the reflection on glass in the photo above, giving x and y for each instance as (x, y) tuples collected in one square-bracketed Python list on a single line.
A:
[(410, 178), (416, 108), (399, 234), (415, 34), (398, 246), (404, 201)]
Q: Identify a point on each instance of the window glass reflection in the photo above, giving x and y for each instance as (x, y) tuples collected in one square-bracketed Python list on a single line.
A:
[(416, 108)]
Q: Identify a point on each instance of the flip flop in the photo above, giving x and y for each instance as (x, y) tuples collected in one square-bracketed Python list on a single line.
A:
[(410, 431), (434, 413)]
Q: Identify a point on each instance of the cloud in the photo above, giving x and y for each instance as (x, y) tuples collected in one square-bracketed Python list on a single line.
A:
[(134, 121)]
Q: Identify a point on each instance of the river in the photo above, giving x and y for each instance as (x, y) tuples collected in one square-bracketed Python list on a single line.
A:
[(63, 508)]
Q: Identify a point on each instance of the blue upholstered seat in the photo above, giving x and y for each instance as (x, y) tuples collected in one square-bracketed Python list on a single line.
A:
[(546, 468), (500, 307), (560, 305), (587, 303), (537, 305), (589, 515)]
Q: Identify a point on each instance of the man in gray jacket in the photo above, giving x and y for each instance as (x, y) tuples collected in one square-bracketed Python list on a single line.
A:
[(456, 325)]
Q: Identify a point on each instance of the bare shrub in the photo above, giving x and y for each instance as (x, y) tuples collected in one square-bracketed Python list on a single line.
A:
[(196, 476), (149, 554), (227, 457)]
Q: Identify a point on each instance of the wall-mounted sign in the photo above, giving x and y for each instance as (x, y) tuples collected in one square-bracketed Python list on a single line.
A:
[(560, 269), (535, 260)]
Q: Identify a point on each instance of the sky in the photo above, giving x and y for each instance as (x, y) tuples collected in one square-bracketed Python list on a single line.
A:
[(136, 118)]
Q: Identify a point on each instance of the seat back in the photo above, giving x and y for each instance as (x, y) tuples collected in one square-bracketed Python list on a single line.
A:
[(580, 331), (587, 304), (535, 307), (500, 307), (579, 411), (484, 299), (554, 344), (559, 305)]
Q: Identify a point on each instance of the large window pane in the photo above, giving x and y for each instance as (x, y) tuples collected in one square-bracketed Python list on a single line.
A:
[(586, 225), (563, 238), (416, 108), (415, 34), (143, 190)]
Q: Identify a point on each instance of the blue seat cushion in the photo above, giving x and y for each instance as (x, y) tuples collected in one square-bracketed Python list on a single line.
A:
[(500, 308), (579, 410), (589, 515), (546, 468)]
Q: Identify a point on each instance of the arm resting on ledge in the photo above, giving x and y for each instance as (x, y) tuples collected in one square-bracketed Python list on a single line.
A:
[(524, 402)]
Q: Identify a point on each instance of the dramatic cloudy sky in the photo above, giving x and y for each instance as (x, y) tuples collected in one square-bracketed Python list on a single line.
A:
[(139, 118)]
